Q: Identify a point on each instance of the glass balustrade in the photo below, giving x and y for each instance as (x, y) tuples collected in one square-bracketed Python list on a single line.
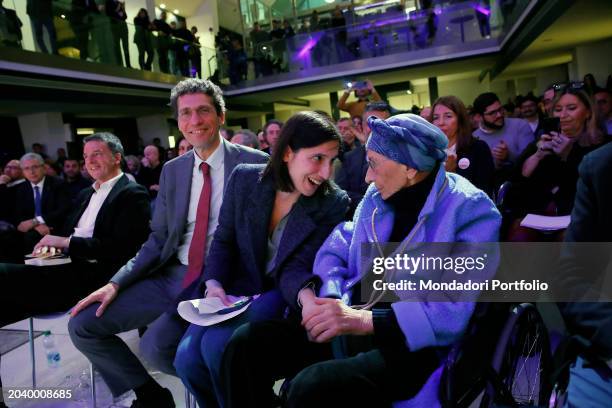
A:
[(91, 35)]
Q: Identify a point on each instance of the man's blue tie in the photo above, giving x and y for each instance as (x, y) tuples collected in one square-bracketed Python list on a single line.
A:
[(37, 202)]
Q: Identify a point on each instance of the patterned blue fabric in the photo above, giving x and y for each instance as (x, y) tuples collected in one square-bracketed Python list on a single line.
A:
[(408, 139)]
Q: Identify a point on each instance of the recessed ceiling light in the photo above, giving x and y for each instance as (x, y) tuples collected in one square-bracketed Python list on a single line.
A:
[(162, 6), (176, 11)]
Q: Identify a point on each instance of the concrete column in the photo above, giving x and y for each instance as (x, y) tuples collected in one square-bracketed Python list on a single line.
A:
[(150, 127), (45, 128)]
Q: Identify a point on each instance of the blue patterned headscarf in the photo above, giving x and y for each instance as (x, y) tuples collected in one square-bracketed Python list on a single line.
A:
[(408, 139)]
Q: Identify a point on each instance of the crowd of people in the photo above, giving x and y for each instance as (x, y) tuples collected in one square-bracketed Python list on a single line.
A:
[(281, 215), (101, 34)]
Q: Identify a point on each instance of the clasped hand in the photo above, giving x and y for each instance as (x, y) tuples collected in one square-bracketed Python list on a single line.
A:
[(325, 319)]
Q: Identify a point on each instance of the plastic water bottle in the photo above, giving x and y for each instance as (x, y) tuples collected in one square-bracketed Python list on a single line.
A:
[(53, 356)]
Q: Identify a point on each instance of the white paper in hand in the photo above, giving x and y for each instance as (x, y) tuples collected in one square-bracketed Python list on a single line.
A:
[(209, 311)]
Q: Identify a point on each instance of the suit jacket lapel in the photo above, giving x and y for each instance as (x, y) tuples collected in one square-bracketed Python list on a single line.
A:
[(230, 160), (300, 223), (76, 216), (258, 212), (123, 180), (182, 183)]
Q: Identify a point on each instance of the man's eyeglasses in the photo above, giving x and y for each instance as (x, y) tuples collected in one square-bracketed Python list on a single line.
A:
[(498, 111)]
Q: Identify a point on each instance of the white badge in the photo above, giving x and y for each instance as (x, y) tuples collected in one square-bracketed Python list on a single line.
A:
[(464, 163)]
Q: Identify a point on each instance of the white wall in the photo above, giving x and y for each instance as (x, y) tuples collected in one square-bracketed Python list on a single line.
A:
[(594, 58), (45, 128)]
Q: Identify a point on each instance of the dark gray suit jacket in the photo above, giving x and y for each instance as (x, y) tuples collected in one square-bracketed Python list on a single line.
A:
[(171, 208), (238, 254)]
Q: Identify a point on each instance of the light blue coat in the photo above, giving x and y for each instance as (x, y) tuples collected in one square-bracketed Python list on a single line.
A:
[(455, 211)]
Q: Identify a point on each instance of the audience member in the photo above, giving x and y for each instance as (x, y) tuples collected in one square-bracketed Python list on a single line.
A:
[(530, 112), (351, 175), (246, 138), (163, 41), (144, 39), (40, 205), (41, 15), (506, 137), (276, 195), (258, 37), (10, 177), (195, 55), (82, 17), (184, 146), (151, 169), (349, 138), (134, 168), (271, 132), (73, 178), (238, 62), (584, 271), (184, 40), (548, 168), (61, 157), (394, 359), (465, 155), (364, 94), (603, 104), (104, 230), (39, 149), (263, 145), (147, 285), (10, 25), (12, 174), (227, 133), (115, 10), (426, 113), (547, 100)]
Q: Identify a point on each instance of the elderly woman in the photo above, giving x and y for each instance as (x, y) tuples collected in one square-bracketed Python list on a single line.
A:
[(411, 199)]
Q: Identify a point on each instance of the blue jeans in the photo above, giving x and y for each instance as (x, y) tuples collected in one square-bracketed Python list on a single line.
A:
[(590, 386), (199, 355)]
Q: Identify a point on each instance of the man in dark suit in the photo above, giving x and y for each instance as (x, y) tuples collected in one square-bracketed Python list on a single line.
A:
[(106, 228), (147, 285), (581, 272), (39, 206), (351, 175)]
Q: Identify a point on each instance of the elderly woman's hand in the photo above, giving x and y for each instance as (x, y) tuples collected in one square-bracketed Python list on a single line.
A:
[(329, 318)]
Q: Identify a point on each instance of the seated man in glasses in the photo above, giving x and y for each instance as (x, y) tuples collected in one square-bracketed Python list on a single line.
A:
[(506, 137), (34, 208)]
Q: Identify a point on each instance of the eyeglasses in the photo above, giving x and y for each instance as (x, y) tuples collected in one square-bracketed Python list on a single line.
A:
[(498, 111), (33, 167)]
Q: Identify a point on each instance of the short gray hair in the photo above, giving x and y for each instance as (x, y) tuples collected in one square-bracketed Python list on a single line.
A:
[(31, 156), (249, 137), (112, 141), (195, 86)]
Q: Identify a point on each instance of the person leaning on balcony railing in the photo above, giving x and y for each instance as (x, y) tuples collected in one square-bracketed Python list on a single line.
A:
[(10, 27), (143, 39), (363, 95)]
